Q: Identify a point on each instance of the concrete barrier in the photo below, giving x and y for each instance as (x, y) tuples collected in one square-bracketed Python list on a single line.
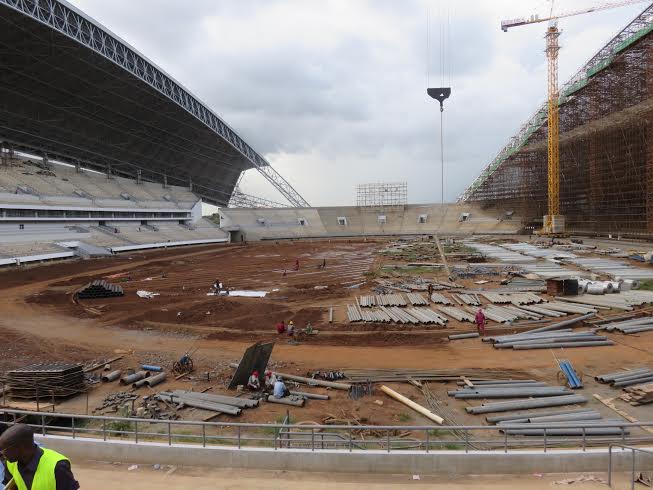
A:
[(418, 462)]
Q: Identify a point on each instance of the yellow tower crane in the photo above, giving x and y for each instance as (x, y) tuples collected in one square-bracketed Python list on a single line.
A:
[(554, 222)]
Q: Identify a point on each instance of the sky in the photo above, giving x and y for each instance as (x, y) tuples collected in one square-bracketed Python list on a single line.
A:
[(333, 92)]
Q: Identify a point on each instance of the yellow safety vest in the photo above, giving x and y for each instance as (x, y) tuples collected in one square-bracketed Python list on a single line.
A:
[(44, 477)]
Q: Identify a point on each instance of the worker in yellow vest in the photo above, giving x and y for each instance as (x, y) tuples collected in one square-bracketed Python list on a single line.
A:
[(30, 467)]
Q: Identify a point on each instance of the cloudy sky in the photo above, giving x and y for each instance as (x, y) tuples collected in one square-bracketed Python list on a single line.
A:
[(333, 92)]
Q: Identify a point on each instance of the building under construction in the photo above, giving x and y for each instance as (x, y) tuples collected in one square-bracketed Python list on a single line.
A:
[(606, 145)]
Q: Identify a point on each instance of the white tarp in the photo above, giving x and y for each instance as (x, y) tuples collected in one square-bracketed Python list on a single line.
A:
[(246, 294), (146, 294)]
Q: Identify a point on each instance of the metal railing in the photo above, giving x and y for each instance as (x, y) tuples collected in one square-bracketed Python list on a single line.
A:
[(633, 450), (335, 437)]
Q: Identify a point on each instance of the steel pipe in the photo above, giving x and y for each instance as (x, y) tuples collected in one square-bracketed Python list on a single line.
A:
[(566, 345), (513, 416), (112, 376), (132, 378), (553, 401), (155, 380)]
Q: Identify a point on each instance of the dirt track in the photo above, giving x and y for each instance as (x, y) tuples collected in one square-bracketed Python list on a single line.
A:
[(42, 322)]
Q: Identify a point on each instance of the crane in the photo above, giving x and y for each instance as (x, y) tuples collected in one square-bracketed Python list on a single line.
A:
[(553, 221)]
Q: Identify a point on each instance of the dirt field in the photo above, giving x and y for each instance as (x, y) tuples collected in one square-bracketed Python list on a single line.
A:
[(42, 321)]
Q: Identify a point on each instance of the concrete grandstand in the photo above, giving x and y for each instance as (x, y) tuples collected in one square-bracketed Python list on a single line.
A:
[(348, 221), (56, 211)]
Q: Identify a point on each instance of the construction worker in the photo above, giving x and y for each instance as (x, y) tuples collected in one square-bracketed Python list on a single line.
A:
[(297, 263), (280, 389), (480, 321), (291, 329), (270, 379), (281, 327), (253, 383), (430, 292), (33, 467)]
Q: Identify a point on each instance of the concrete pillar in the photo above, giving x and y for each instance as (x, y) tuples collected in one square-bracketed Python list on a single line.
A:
[(165, 181), (11, 152), (78, 167), (190, 184), (139, 175), (46, 160), (109, 171)]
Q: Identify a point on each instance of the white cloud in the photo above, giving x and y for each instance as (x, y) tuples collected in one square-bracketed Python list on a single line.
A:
[(333, 92)]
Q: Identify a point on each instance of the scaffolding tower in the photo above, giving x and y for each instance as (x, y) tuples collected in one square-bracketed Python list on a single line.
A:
[(382, 195), (606, 145)]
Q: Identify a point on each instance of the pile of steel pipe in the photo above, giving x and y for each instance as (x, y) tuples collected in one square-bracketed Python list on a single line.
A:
[(522, 417), (518, 392), (367, 301), (553, 340), (469, 299), (457, 313), (507, 406), (390, 300), (623, 379), (417, 299), (439, 298), (583, 415), (631, 326)]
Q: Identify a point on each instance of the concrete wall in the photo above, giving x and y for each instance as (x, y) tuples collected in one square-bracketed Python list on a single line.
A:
[(257, 224), (437, 462)]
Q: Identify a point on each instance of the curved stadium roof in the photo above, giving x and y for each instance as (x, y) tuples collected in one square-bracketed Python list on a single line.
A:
[(72, 89)]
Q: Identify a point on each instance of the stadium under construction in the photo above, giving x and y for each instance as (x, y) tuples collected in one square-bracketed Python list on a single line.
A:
[(606, 150)]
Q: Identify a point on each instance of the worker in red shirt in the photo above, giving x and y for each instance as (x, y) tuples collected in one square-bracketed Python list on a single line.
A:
[(480, 321), (281, 327), (297, 264)]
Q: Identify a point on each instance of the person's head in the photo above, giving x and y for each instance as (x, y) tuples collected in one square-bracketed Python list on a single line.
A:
[(268, 374), (291, 322), (17, 443), (255, 373), (279, 379)]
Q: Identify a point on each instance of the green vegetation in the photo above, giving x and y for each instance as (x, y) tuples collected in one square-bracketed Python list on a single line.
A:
[(646, 285), (404, 417), (215, 218)]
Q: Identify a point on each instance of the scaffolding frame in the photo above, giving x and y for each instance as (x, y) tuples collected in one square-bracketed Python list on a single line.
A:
[(606, 146), (382, 194)]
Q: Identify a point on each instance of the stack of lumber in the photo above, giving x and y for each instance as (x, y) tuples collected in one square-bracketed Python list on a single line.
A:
[(639, 394)]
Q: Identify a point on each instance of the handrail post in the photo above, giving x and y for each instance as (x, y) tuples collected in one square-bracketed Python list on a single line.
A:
[(204, 436), (104, 429), (136, 431), (388, 435), (428, 440), (545, 439), (610, 466), (632, 472), (169, 434), (584, 440), (351, 441), (466, 440), (42, 424), (239, 438), (72, 423), (312, 439), (505, 441)]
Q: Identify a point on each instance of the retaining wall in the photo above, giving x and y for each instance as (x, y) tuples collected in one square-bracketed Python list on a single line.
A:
[(436, 462)]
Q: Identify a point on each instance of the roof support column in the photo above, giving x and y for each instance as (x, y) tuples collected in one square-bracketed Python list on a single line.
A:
[(165, 181), (139, 176), (109, 171), (78, 167)]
